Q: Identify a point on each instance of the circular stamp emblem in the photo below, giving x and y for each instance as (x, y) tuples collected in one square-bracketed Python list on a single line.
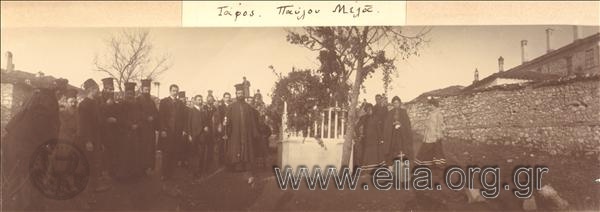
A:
[(59, 170)]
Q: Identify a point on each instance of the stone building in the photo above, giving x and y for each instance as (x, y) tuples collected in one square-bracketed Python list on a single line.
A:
[(580, 57), (560, 116), (16, 87), (551, 103)]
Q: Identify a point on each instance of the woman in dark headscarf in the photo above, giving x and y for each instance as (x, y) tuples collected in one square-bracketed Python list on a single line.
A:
[(397, 133)]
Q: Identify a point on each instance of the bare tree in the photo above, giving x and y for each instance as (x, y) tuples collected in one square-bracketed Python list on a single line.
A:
[(358, 51), (129, 58)]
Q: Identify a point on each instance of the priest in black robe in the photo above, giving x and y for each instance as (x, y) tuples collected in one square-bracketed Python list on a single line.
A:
[(148, 126), (128, 164), (242, 132), (110, 121)]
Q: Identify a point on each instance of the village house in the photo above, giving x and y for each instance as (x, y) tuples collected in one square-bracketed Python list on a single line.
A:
[(577, 58), (16, 87), (550, 103)]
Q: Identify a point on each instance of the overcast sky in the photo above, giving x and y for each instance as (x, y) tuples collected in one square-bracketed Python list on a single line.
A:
[(218, 58)]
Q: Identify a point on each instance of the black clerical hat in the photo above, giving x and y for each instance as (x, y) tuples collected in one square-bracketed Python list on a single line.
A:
[(146, 83), (108, 83), (130, 86), (239, 87)]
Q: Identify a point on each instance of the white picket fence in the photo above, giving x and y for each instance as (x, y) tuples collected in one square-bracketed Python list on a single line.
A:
[(319, 145), (330, 126)]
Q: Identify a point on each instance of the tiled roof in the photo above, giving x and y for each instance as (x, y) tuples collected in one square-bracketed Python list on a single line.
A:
[(513, 74), (18, 77), (448, 91), (520, 71)]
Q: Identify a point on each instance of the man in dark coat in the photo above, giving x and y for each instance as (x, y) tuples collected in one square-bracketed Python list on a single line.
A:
[(89, 134), (128, 165), (169, 114), (241, 133), (219, 127), (397, 133), (37, 123), (183, 146), (262, 141), (148, 126), (211, 110), (198, 130)]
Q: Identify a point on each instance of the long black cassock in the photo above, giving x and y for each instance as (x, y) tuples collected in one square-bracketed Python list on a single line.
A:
[(397, 134), (241, 132), (111, 133), (88, 131), (148, 126), (373, 151), (36, 124), (128, 149)]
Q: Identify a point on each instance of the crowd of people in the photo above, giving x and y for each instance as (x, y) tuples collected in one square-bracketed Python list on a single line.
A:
[(385, 134), (133, 132), (128, 136)]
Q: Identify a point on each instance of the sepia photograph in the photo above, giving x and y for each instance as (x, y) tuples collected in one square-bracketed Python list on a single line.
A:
[(309, 118)]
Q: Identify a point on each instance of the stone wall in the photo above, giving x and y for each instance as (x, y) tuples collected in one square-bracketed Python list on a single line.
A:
[(13, 99), (7, 99), (560, 117)]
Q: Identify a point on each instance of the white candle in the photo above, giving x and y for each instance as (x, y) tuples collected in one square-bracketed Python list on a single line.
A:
[(322, 124), (337, 113), (343, 126), (329, 124)]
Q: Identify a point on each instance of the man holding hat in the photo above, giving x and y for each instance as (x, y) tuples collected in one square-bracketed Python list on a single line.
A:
[(148, 126), (241, 131)]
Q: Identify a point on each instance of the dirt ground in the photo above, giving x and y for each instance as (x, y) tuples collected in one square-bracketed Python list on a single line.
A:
[(572, 177)]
